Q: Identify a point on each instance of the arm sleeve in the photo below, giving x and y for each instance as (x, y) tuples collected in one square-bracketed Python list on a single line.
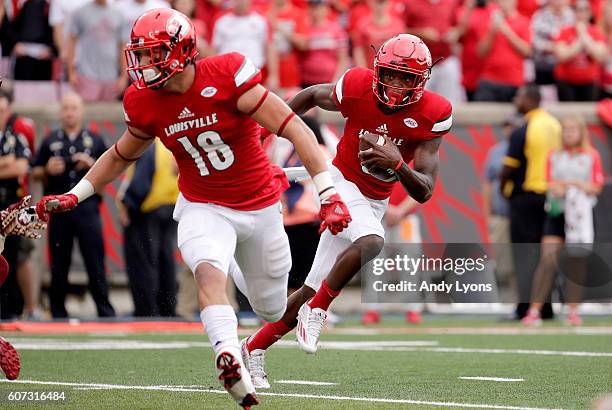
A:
[(133, 113), (444, 121), (245, 74), (340, 96), (239, 73)]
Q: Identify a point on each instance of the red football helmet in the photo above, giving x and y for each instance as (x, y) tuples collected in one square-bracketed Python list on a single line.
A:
[(406, 58), (162, 43)]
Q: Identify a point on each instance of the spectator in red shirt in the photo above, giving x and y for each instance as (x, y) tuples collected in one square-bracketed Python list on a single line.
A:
[(580, 51), (208, 11), (326, 55), (358, 10), (503, 47), (471, 16), (528, 7), (289, 34), (373, 30), (434, 21)]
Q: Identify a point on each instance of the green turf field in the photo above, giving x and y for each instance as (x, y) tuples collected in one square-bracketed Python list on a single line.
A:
[(389, 367)]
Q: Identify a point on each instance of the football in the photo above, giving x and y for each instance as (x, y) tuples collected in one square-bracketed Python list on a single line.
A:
[(366, 141)]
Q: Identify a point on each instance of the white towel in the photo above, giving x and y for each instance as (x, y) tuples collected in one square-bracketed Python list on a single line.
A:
[(579, 216)]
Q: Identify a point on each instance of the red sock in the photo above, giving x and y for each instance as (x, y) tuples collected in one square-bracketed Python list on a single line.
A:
[(324, 297), (268, 335)]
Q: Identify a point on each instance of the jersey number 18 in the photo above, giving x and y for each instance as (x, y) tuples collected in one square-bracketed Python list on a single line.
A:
[(219, 153)]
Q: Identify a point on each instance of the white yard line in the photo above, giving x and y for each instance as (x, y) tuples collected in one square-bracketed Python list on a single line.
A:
[(490, 379), (108, 344), (305, 382), (404, 346), (514, 330), (295, 395), (498, 351)]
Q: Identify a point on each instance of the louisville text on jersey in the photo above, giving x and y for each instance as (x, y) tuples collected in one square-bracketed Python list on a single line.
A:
[(195, 123)]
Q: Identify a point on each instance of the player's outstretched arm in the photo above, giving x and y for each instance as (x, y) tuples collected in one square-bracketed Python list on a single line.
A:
[(272, 113), (130, 146), (320, 95)]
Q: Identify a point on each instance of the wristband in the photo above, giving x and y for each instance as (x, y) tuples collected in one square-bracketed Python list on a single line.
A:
[(83, 190), (324, 184), (399, 165)]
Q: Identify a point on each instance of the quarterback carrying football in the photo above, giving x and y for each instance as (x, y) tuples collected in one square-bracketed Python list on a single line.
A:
[(208, 113), (391, 120)]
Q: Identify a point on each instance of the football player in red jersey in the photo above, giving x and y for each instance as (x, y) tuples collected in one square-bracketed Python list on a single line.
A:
[(208, 113), (17, 219), (408, 122)]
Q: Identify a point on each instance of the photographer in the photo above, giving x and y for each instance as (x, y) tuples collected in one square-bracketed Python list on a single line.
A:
[(63, 158)]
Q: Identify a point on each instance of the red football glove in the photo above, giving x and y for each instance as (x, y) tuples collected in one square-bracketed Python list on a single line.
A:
[(333, 214), (52, 204)]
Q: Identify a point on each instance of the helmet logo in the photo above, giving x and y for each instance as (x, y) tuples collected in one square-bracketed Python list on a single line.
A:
[(177, 26)]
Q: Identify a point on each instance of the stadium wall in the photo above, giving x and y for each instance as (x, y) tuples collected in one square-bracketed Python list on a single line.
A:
[(454, 214)]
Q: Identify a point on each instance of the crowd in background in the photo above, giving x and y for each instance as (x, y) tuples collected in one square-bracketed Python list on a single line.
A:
[(483, 51)]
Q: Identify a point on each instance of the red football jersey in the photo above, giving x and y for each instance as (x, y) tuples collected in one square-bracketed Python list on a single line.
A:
[(424, 120), (216, 146)]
